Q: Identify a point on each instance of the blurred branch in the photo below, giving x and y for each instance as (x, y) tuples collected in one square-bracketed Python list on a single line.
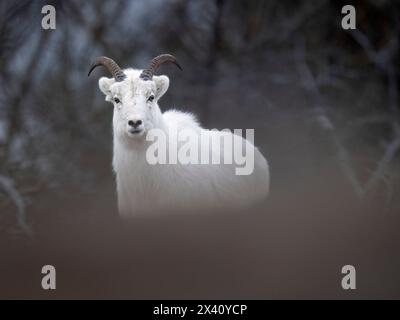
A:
[(390, 152), (98, 29), (217, 40), (384, 60), (7, 184), (289, 26), (368, 120), (15, 103), (320, 109), (381, 58)]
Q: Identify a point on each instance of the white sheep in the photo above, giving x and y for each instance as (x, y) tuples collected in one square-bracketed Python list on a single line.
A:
[(146, 187)]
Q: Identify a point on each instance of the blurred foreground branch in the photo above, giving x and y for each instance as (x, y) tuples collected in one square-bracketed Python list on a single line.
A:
[(321, 111), (7, 184)]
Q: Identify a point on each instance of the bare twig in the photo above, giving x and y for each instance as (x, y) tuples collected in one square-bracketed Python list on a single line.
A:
[(384, 61), (16, 101), (7, 185), (379, 172), (288, 27), (320, 109)]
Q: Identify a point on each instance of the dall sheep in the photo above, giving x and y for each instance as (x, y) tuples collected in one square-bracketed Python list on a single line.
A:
[(146, 187)]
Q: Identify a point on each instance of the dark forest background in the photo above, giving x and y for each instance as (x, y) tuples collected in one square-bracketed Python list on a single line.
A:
[(324, 103)]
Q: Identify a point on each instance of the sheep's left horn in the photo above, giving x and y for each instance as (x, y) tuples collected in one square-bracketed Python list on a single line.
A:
[(111, 66), (147, 74)]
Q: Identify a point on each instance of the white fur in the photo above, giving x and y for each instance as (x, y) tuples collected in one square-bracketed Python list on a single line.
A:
[(142, 187)]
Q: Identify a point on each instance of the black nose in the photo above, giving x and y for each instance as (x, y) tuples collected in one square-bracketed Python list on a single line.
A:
[(134, 124)]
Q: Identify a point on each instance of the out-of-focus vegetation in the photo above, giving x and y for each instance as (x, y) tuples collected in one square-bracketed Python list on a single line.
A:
[(316, 94)]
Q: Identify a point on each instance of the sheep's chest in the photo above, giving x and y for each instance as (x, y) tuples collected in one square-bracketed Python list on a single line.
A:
[(138, 181)]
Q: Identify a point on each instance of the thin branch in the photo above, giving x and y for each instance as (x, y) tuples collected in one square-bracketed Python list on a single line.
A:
[(384, 61), (25, 86), (379, 172), (7, 185), (309, 82)]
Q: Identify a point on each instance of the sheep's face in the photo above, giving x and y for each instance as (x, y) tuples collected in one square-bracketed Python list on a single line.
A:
[(135, 103)]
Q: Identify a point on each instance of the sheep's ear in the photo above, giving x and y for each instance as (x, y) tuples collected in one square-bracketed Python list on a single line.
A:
[(162, 84), (104, 85)]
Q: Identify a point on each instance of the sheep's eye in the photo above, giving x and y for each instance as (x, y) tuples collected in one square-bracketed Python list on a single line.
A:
[(116, 100), (151, 98)]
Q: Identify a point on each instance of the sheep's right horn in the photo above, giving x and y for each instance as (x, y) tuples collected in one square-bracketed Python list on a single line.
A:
[(111, 66)]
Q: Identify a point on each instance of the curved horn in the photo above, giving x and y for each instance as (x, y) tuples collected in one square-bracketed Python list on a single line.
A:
[(147, 74), (111, 66)]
